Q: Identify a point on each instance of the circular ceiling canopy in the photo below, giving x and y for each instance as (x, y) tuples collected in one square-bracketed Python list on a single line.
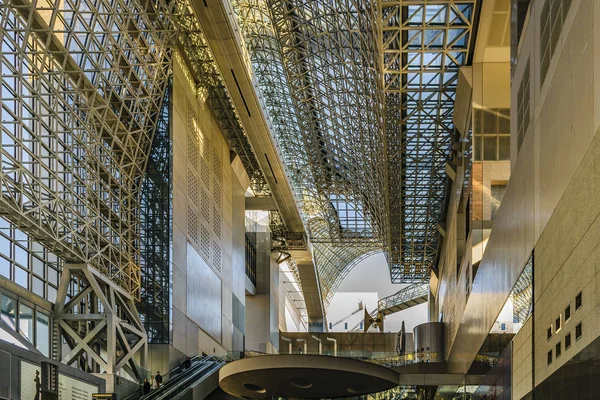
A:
[(304, 376)]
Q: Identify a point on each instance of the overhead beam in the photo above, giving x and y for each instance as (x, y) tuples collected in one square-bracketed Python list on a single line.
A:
[(261, 204)]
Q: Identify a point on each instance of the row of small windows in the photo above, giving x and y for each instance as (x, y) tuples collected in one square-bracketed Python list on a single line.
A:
[(558, 326), (568, 341), (552, 18), (557, 322)]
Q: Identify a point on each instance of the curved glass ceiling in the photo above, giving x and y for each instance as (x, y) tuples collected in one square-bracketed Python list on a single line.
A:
[(360, 95)]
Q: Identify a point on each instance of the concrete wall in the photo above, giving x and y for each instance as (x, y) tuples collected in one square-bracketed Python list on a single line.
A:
[(522, 362), (563, 123), (208, 250), (263, 308)]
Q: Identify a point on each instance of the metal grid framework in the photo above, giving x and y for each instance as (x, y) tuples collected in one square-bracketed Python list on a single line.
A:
[(311, 104), (522, 293), (361, 95), (82, 82), (409, 294), (424, 44), (156, 231), (208, 79)]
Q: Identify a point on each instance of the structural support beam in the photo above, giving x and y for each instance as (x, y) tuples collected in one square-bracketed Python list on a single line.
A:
[(100, 323)]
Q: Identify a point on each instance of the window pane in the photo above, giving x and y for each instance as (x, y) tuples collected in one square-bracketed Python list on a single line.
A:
[(504, 121), (42, 334), (489, 148), (37, 266), (53, 276), (4, 267), (26, 322), (51, 294), (8, 311), (4, 246), (21, 277), (37, 286), (503, 147), (490, 121), (21, 256), (477, 148)]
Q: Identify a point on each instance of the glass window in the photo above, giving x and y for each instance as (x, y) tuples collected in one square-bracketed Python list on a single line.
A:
[(8, 311), (42, 333), (504, 120), (21, 277), (503, 147), (21, 256), (37, 286), (578, 301), (4, 267), (549, 333), (550, 357), (53, 276), (578, 331), (490, 121), (567, 313), (4, 246), (37, 266), (489, 148), (477, 156), (567, 341), (26, 322), (557, 324), (558, 349), (51, 294)]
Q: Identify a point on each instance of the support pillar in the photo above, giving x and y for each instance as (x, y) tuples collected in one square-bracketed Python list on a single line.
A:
[(100, 324)]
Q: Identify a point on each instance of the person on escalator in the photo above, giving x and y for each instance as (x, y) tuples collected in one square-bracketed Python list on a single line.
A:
[(158, 379), (187, 363), (146, 386)]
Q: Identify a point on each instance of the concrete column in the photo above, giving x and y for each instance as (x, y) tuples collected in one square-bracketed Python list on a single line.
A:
[(262, 308)]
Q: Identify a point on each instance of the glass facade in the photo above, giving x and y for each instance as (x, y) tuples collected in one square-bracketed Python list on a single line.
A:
[(156, 231)]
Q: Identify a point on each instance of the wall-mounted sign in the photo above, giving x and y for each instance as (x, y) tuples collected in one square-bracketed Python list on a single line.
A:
[(111, 396), (68, 388)]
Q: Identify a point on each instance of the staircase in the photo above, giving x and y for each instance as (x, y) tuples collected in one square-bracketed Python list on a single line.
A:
[(405, 298)]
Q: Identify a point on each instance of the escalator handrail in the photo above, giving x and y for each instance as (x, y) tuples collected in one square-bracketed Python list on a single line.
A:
[(211, 364), (177, 379), (167, 381)]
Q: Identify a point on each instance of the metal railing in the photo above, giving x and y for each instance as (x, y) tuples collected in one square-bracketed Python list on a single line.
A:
[(406, 295)]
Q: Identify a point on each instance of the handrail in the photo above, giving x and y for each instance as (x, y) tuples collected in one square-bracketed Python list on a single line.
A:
[(404, 295), (210, 364), (137, 395)]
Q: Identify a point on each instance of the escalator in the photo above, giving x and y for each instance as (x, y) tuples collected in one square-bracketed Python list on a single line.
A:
[(199, 380)]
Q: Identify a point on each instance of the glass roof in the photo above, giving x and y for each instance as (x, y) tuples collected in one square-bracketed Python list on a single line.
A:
[(365, 138), (424, 45)]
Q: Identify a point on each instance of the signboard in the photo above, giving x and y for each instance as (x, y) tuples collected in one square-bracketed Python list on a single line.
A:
[(68, 388), (111, 396)]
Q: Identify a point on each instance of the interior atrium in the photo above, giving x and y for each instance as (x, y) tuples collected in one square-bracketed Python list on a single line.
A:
[(303, 199)]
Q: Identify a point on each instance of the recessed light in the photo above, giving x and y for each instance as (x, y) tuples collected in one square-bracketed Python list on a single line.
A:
[(255, 388)]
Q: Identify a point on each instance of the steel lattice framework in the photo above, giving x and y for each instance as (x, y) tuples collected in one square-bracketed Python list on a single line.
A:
[(82, 83), (324, 156), (424, 45), (361, 95)]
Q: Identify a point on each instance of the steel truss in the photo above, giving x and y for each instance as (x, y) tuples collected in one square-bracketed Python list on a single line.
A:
[(424, 44), (326, 155), (82, 84), (99, 322), (364, 185)]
